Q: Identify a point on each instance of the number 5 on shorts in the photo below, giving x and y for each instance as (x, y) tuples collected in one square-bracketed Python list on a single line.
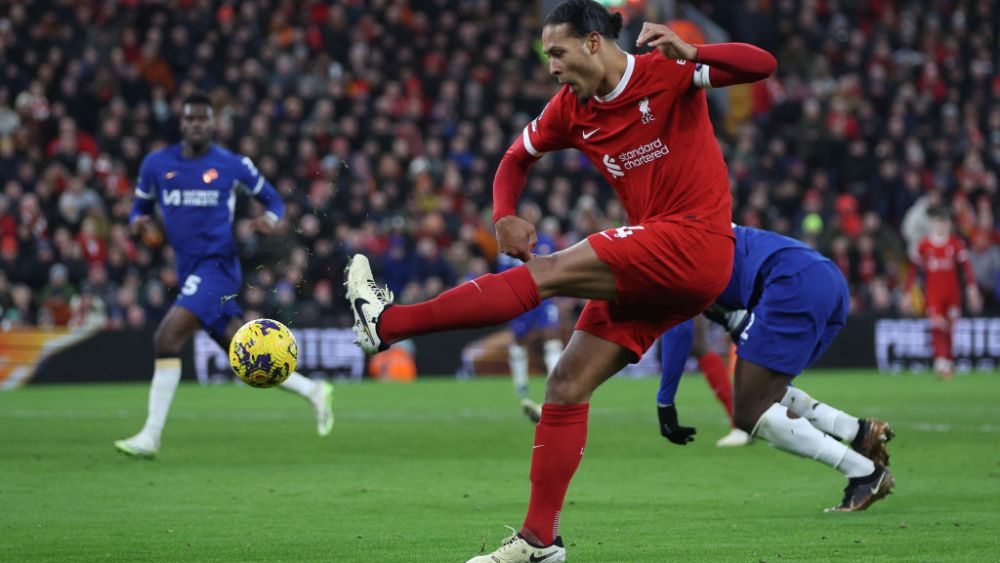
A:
[(191, 285)]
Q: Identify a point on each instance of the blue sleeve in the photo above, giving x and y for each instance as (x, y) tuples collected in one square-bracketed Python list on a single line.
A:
[(145, 191), (261, 189), (675, 347)]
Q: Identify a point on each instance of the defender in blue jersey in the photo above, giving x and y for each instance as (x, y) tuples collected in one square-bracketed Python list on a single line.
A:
[(783, 306), (542, 323), (195, 184)]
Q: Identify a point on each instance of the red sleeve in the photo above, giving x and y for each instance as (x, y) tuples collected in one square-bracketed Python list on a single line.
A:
[(962, 257), (550, 131), (510, 178), (725, 64)]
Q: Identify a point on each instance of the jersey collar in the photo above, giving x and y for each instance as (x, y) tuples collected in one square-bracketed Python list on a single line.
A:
[(622, 84)]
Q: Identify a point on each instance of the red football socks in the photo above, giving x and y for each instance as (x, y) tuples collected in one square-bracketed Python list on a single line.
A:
[(485, 301), (715, 373), (941, 341), (559, 440)]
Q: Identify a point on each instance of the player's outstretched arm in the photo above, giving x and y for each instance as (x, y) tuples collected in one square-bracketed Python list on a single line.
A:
[(675, 346), (728, 63), (257, 186), (515, 236), (268, 222), (735, 63)]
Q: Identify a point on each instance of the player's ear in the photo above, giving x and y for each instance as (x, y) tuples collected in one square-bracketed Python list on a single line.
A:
[(592, 43)]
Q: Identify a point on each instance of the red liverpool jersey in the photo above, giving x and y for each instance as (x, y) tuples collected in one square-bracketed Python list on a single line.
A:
[(940, 260), (652, 140)]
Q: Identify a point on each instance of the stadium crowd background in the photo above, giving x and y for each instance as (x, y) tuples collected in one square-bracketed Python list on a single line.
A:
[(381, 123)]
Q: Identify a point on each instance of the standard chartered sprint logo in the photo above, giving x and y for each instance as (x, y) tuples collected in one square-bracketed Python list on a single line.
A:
[(635, 158)]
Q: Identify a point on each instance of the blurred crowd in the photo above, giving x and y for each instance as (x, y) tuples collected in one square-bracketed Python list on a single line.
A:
[(381, 123)]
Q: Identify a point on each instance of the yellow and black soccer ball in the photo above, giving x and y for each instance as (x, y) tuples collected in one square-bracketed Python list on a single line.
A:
[(263, 353)]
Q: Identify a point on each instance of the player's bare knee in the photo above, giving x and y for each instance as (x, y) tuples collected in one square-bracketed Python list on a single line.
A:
[(167, 342), (563, 389), (543, 270)]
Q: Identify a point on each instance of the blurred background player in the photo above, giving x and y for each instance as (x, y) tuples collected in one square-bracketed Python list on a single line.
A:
[(540, 323), (195, 183), (796, 301), (939, 255), (690, 338)]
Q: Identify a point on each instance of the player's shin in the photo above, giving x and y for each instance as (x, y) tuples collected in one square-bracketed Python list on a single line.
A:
[(833, 421), (559, 441), (518, 359), (798, 436), (485, 301), (166, 376)]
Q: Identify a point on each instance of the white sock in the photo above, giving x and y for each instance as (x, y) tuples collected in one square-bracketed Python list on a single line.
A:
[(834, 422), (797, 436), (301, 385), (518, 358), (166, 376), (553, 350)]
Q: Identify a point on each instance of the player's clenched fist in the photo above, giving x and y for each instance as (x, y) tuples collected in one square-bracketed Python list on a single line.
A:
[(516, 237), (669, 43)]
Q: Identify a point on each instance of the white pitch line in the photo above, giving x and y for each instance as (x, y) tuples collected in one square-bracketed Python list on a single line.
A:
[(464, 414)]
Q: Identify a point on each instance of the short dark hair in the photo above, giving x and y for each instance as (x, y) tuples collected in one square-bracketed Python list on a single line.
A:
[(198, 97), (939, 212), (584, 17)]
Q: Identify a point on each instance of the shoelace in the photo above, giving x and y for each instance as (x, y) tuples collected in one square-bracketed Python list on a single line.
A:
[(382, 293), (509, 542)]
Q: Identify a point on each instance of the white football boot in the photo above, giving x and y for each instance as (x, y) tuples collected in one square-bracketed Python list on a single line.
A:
[(516, 550), (734, 439), (367, 300), (141, 445), (532, 410), (322, 401)]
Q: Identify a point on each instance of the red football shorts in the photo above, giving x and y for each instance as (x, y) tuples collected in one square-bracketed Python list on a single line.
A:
[(665, 273), (943, 307)]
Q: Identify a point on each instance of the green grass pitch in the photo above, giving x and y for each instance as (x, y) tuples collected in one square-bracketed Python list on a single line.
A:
[(431, 472)]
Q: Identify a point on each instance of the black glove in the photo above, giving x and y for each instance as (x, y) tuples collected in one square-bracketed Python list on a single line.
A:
[(670, 429)]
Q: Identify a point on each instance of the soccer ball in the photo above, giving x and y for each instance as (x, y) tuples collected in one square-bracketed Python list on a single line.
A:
[(263, 353)]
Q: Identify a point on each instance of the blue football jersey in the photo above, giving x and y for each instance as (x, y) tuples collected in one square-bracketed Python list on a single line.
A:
[(197, 198), (753, 248)]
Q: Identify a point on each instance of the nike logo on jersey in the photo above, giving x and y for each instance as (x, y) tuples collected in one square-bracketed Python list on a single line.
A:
[(535, 559), (359, 304), (589, 134), (169, 175)]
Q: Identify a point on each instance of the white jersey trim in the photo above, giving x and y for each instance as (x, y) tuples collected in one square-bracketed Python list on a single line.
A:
[(623, 83), (143, 195), (527, 144), (260, 184), (700, 78)]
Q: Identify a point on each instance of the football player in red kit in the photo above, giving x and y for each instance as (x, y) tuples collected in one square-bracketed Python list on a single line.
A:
[(939, 255), (643, 122)]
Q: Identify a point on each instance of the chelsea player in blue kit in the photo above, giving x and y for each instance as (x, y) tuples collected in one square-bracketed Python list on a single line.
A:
[(783, 306), (195, 183)]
